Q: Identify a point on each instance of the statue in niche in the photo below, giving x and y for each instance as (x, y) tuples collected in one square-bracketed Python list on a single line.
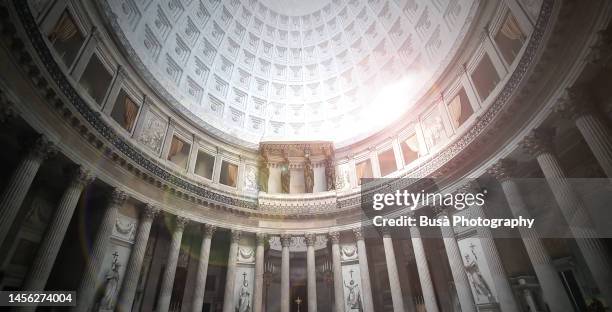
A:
[(481, 287), (308, 177), (244, 296), (264, 173), (111, 286), (353, 299), (329, 174), (285, 178)]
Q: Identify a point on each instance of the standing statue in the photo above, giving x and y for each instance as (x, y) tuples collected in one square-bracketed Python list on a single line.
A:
[(244, 297), (329, 174), (308, 177), (353, 299), (111, 286), (481, 287), (285, 179), (264, 174)]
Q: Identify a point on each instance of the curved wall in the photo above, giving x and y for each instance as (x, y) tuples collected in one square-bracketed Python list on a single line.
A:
[(121, 157)]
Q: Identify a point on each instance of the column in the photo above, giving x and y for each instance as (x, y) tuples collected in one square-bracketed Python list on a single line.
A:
[(54, 235), (553, 290), (337, 268), (230, 278), (579, 107), (364, 269), (429, 293), (320, 180), (462, 284), (91, 275), (539, 144), (505, 296), (165, 291), (311, 272), (260, 241), (285, 304), (132, 270), (19, 183), (202, 272), (394, 283)]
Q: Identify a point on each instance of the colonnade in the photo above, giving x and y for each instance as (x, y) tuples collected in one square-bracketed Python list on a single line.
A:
[(538, 144)]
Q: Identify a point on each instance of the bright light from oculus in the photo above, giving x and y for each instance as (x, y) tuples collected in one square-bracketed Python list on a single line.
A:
[(387, 106)]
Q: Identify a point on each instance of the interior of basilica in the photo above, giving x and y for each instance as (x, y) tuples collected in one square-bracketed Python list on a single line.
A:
[(225, 155)]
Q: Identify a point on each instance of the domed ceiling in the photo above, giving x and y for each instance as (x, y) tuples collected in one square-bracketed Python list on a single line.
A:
[(254, 70)]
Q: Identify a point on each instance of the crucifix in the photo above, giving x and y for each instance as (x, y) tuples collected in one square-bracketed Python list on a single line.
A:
[(298, 301), (244, 277)]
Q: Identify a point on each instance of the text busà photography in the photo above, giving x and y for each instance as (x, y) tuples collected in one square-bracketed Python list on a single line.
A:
[(306, 156)]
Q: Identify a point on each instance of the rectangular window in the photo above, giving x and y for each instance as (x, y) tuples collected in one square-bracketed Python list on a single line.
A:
[(410, 149), (364, 170), (66, 38), (460, 109), (509, 39), (125, 111), (205, 164), (179, 152), (386, 161), (485, 77), (229, 174), (96, 79)]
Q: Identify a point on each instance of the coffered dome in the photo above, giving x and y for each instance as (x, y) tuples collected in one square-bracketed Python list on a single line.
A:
[(253, 70)]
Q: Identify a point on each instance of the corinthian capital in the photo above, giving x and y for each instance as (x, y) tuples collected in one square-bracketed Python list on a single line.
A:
[(285, 240), (236, 236), (118, 197), (334, 237), (43, 148), (181, 222), (503, 169), (578, 101), (81, 177), (260, 238), (539, 141), (209, 230), (150, 211), (358, 234), (310, 239)]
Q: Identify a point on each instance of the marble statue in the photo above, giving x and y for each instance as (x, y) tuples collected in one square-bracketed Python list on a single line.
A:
[(308, 177), (285, 179), (481, 287), (244, 297), (353, 299), (111, 286)]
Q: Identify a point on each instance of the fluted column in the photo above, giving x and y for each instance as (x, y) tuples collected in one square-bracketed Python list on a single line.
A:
[(505, 296), (552, 287), (462, 284), (364, 269), (539, 144), (260, 241), (165, 291), (429, 293), (91, 275), (19, 183), (579, 107), (285, 304), (337, 268), (230, 279), (394, 282), (132, 271), (54, 235), (202, 273), (311, 272)]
